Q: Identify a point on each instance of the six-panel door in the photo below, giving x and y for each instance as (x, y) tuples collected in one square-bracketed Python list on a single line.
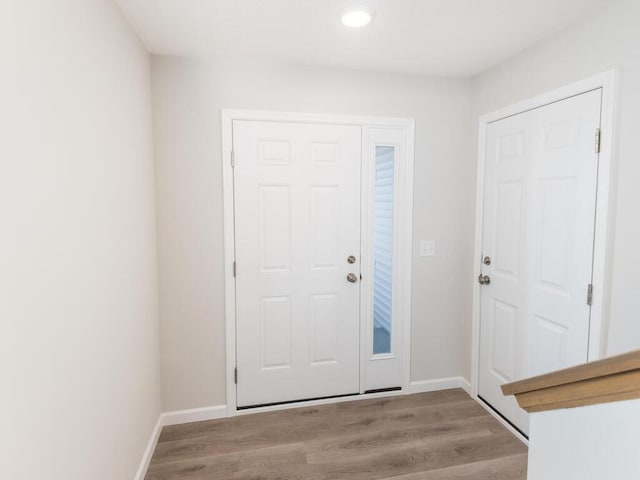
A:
[(539, 218), (297, 220)]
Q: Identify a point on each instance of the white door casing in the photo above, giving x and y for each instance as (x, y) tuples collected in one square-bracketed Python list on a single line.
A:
[(541, 173), (297, 220)]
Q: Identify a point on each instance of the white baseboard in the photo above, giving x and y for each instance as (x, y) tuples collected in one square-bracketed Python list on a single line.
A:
[(465, 385), (193, 415), (175, 418), (423, 386), (148, 452)]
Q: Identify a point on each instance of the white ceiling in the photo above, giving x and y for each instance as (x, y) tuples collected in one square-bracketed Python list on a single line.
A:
[(433, 37)]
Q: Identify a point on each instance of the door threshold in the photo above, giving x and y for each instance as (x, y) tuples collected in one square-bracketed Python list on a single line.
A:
[(290, 402), (383, 390), (248, 410), (504, 419)]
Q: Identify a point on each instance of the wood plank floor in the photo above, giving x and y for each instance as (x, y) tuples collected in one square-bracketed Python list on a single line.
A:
[(431, 436)]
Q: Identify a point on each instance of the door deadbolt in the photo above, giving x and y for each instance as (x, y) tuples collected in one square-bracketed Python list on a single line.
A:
[(352, 278), (351, 259), (487, 260), (484, 279)]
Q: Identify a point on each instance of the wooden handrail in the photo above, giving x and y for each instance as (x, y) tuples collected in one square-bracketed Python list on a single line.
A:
[(609, 380)]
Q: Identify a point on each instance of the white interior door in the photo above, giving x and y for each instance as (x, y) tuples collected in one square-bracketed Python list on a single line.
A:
[(539, 217), (297, 220)]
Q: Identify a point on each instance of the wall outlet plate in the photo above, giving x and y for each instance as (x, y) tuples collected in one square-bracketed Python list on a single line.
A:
[(427, 248)]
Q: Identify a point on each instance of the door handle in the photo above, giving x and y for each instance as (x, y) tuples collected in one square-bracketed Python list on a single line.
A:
[(352, 278), (484, 279)]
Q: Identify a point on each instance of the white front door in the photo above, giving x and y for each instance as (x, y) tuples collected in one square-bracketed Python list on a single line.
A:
[(297, 221), (539, 216)]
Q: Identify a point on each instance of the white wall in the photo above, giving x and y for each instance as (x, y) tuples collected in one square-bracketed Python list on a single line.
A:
[(610, 39), (79, 366), (588, 443), (187, 98)]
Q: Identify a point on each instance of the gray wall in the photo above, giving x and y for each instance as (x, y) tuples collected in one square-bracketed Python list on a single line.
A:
[(610, 39), (188, 96), (79, 343)]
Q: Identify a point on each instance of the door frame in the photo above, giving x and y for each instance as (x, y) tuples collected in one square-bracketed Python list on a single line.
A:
[(603, 221), (405, 232)]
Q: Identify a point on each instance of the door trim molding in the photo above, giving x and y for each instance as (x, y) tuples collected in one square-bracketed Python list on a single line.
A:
[(607, 81), (404, 265)]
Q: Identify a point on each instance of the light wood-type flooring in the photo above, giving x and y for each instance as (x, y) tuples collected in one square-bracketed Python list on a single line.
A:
[(429, 436)]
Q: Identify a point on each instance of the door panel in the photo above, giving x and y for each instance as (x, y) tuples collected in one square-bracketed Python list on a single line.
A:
[(297, 220), (539, 217), (383, 302)]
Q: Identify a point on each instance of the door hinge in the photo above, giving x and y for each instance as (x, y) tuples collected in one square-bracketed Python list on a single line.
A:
[(598, 139), (235, 375), (234, 269), (233, 159), (589, 294)]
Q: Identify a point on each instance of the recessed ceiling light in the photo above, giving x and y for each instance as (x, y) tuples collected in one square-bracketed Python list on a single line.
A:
[(357, 16)]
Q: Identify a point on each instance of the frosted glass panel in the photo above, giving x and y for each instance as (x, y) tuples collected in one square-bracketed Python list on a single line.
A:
[(383, 251)]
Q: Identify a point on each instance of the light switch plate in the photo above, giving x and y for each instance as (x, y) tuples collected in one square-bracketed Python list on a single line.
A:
[(427, 248)]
